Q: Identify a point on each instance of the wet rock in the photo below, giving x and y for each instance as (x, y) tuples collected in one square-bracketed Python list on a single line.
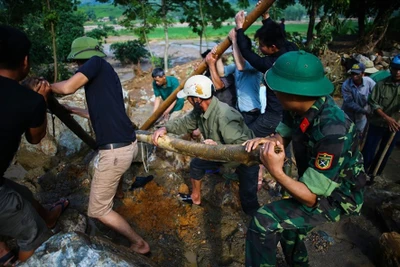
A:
[(78, 249), (390, 245), (73, 221)]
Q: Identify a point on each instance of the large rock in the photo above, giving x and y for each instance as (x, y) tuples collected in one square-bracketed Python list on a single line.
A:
[(390, 245), (78, 249)]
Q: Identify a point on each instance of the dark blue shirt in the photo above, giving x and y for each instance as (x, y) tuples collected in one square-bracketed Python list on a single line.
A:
[(105, 102)]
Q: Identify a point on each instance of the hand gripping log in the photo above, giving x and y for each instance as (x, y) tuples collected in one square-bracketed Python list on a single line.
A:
[(250, 19), (220, 153)]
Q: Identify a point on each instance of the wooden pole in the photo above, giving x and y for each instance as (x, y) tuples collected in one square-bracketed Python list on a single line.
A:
[(389, 142), (221, 153), (250, 19), (63, 114)]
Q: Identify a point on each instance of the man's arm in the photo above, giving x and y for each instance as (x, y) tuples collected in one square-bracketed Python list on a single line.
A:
[(157, 102), (274, 163), (216, 79), (376, 106), (36, 134), (237, 56), (71, 85)]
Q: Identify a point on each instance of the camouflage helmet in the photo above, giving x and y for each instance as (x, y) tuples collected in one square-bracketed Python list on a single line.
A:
[(85, 48), (298, 73)]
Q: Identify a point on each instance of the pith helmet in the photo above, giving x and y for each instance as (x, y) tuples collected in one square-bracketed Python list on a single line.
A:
[(298, 73), (85, 48), (197, 86)]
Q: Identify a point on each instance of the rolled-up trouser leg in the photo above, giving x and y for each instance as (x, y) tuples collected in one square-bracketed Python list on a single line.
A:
[(287, 221)]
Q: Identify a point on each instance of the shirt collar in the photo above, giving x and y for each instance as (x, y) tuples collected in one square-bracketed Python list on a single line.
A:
[(210, 108), (307, 119)]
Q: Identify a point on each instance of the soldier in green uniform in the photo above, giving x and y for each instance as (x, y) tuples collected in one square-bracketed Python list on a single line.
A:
[(330, 165)]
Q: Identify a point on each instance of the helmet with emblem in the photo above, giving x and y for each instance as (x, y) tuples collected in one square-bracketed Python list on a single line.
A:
[(85, 48), (197, 86), (298, 73)]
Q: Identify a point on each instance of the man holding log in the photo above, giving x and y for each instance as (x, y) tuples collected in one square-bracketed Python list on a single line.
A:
[(219, 124), (330, 166), (115, 135)]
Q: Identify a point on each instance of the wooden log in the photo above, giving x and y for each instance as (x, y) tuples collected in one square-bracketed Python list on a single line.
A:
[(250, 19), (64, 115), (221, 153)]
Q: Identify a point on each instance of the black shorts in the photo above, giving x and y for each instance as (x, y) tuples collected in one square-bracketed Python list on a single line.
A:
[(19, 219)]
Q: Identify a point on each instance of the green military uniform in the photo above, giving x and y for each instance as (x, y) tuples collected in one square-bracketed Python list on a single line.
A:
[(224, 125), (329, 163), (221, 123), (328, 159)]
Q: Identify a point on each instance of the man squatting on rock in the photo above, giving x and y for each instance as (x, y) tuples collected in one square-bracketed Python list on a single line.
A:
[(330, 165)]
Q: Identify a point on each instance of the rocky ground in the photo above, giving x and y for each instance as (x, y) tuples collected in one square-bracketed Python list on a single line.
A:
[(179, 234)]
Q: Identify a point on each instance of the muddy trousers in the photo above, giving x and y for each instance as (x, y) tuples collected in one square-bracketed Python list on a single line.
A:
[(286, 221)]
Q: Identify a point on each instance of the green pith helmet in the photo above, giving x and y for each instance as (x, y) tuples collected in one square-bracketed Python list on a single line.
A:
[(85, 48), (298, 73)]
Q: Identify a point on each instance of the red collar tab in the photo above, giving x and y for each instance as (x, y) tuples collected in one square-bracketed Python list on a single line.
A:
[(304, 125)]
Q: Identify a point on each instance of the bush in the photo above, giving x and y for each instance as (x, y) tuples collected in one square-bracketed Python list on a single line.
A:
[(130, 52)]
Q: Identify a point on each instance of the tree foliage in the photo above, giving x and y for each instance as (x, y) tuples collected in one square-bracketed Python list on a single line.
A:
[(130, 52)]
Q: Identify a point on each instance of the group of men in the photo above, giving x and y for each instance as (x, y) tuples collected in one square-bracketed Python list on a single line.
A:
[(374, 106), (299, 110)]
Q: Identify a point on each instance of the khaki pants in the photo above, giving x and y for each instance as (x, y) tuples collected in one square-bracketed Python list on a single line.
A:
[(110, 165)]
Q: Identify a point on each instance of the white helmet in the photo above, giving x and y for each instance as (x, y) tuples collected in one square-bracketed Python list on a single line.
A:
[(197, 86)]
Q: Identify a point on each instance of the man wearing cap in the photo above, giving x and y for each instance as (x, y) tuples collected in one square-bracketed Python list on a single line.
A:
[(384, 123), (355, 93), (115, 135), (330, 167), (163, 86), (219, 124)]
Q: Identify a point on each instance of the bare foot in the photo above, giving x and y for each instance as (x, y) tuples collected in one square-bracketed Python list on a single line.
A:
[(140, 247), (196, 199), (55, 211)]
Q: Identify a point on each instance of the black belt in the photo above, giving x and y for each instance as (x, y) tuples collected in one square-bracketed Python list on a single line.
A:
[(113, 146)]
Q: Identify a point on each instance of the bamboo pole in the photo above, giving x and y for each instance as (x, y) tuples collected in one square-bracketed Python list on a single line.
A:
[(221, 153), (250, 19), (389, 142)]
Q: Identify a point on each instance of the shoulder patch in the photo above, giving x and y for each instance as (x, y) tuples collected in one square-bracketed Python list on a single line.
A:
[(304, 125), (323, 161)]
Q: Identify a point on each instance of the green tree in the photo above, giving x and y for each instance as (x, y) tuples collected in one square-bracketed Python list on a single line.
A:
[(382, 11), (130, 52), (199, 14)]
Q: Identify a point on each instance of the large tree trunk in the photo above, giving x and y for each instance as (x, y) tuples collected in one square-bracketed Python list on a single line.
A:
[(221, 153), (374, 36), (312, 13), (361, 17), (164, 14), (53, 37)]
